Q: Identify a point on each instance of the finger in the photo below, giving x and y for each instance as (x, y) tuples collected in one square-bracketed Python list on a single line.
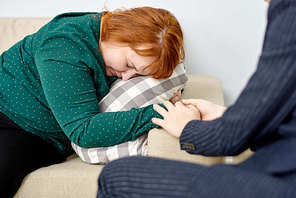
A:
[(172, 100), (175, 99), (195, 102), (178, 98), (179, 104), (168, 105), (179, 93), (158, 122), (190, 101), (192, 107), (160, 110)]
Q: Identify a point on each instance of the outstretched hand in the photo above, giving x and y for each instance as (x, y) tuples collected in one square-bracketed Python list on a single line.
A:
[(208, 110), (175, 117)]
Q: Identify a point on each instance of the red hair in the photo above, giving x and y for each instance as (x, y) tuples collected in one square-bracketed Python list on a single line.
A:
[(155, 28)]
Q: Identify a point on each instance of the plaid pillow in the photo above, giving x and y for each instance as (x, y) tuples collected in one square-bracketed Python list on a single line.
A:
[(124, 95)]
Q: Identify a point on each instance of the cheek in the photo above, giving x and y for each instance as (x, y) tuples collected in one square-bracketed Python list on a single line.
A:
[(110, 60), (113, 59)]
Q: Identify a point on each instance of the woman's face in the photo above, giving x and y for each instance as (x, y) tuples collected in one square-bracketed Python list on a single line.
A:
[(121, 61)]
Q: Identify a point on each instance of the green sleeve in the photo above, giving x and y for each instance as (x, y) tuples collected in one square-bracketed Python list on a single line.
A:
[(69, 89)]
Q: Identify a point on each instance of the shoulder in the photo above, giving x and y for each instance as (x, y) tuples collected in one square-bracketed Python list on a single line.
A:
[(76, 16), (278, 8), (74, 31), (281, 26), (280, 4), (73, 21)]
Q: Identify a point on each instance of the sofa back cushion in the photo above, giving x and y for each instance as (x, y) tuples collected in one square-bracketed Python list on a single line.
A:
[(13, 30)]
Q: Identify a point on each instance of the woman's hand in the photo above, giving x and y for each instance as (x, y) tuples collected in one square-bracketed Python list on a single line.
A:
[(208, 110), (176, 117), (177, 97)]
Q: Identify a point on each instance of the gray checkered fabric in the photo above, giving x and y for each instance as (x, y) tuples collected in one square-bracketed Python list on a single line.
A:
[(124, 95)]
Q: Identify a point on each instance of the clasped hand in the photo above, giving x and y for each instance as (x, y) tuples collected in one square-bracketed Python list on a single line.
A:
[(178, 115)]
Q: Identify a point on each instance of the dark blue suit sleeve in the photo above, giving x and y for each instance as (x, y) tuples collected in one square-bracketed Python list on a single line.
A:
[(266, 100)]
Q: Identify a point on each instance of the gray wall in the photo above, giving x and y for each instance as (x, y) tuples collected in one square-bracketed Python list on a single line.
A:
[(223, 38)]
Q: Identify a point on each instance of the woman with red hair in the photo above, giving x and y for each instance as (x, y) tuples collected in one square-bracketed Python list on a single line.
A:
[(52, 81), (143, 32)]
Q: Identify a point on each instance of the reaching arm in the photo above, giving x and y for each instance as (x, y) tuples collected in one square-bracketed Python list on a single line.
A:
[(72, 97), (266, 99)]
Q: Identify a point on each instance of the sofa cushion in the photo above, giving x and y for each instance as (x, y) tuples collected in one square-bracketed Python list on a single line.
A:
[(69, 179)]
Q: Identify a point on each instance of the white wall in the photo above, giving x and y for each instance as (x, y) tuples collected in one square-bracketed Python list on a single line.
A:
[(223, 38)]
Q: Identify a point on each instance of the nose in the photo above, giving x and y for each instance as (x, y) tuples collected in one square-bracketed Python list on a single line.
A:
[(128, 74)]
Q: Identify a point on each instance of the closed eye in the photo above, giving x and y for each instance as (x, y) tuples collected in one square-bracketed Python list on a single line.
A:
[(131, 65)]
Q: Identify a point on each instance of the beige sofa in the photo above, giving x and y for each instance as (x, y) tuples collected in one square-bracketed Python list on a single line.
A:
[(74, 178)]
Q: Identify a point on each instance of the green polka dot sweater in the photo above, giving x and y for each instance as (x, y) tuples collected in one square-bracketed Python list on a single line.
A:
[(52, 81)]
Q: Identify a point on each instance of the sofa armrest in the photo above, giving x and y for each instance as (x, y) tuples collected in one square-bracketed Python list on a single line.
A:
[(204, 87), (163, 145)]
